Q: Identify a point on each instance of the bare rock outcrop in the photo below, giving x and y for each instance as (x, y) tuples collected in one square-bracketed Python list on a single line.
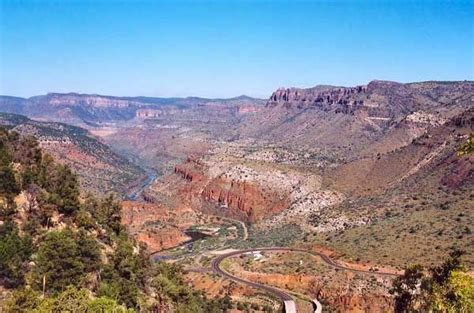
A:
[(242, 199), (223, 195), (320, 96)]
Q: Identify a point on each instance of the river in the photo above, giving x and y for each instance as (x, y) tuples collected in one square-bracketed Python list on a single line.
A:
[(152, 175)]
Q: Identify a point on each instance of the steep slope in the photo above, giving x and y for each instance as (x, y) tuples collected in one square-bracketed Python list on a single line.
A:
[(99, 168), (416, 200), (64, 253)]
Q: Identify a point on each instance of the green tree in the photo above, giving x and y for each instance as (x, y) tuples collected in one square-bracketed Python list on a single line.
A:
[(444, 288), (65, 191), (72, 299), (106, 305), (89, 251), (60, 183), (170, 287), (126, 274), (58, 262), (5, 154), (26, 149), (8, 184), (407, 289), (83, 219), (106, 212), (441, 273), (14, 252), (450, 288)]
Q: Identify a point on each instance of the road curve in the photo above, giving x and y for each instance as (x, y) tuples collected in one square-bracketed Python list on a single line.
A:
[(318, 308), (290, 305)]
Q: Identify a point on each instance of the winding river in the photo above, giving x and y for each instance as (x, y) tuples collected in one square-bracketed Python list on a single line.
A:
[(152, 175)]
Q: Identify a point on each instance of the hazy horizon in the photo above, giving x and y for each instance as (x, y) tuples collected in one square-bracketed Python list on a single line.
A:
[(220, 50)]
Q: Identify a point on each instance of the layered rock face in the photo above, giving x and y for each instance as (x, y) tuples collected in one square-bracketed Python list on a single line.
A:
[(227, 196), (164, 112), (352, 302), (378, 98), (242, 199), (250, 187), (323, 96), (358, 121), (190, 170), (155, 225), (73, 99)]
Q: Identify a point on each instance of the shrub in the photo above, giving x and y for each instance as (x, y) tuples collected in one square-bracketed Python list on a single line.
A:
[(14, 252), (446, 288), (58, 263)]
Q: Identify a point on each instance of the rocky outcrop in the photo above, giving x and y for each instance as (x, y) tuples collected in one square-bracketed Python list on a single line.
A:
[(223, 195), (464, 120), (161, 239), (189, 170), (157, 113), (244, 109), (384, 99), (149, 113), (355, 302), (73, 99), (242, 199), (91, 109), (461, 170), (155, 225), (320, 96)]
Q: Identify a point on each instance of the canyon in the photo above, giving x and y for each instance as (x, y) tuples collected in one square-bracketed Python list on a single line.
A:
[(371, 172)]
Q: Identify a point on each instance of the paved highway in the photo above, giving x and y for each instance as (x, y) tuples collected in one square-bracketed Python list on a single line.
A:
[(290, 306)]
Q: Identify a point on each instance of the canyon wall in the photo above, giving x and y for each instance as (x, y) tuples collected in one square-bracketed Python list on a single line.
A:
[(249, 202)]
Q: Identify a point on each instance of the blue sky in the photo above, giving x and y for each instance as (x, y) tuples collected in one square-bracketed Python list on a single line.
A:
[(228, 48)]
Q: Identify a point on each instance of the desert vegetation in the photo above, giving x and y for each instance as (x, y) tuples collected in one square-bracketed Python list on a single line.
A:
[(442, 288), (63, 251)]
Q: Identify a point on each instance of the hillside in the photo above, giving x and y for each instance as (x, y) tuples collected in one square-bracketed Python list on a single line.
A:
[(156, 133), (356, 121), (60, 252), (378, 176), (418, 196), (99, 168), (328, 159), (340, 162)]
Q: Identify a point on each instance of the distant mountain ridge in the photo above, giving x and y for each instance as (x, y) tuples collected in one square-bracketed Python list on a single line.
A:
[(360, 120), (376, 94), (90, 109)]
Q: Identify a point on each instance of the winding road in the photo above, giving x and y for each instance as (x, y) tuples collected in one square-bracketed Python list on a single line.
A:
[(290, 305)]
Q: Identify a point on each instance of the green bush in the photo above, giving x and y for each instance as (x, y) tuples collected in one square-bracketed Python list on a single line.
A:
[(70, 300), (59, 262), (8, 184), (15, 250), (22, 300), (446, 288)]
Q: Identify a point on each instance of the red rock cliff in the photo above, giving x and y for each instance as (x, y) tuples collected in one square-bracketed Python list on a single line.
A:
[(237, 199)]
